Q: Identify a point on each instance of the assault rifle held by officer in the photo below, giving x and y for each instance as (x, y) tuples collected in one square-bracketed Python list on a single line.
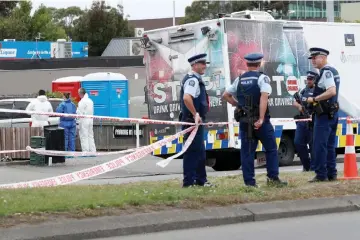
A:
[(304, 114)]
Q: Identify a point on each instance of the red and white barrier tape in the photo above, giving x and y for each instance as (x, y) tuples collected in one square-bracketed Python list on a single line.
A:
[(99, 169), (77, 154), (142, 121), (164, 163), (117, 119), (12, 151)]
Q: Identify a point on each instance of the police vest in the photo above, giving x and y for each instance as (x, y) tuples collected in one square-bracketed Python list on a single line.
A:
[(306, 93), (318, 90), (201, 103), (248, 86)]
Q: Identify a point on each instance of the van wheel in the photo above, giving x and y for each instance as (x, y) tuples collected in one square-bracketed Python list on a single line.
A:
[(286, 151), (227, 161)]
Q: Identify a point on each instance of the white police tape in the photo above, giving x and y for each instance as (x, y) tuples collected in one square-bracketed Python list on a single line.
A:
[(12, 151), (77, 154), (164, 163), (117, 119), (99, 169), (144, 121)]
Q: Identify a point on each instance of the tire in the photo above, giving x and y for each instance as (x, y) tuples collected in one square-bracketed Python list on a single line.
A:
[(286, 151), (227, 161)]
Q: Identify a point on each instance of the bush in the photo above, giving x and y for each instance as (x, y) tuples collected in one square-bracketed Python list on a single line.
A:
[(59, 95)]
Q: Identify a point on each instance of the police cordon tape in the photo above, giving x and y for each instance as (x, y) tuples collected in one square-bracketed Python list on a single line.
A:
[(77, 154), (166, 162), (146, 121), (12, 151), (69, 178)]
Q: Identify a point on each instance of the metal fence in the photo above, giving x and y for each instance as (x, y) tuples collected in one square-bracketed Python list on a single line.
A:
[(109, 136)]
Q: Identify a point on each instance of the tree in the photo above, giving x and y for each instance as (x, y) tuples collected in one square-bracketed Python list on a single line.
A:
[(21, 25), (279, 8), (99, 25), (203, 10), (17, 24), (42, 22), (6, 7), (67, 18)]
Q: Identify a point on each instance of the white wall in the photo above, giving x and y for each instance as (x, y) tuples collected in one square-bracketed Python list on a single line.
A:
[(350, 11)]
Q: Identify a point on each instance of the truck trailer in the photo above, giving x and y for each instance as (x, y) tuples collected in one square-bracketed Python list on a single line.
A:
[(226, 40)]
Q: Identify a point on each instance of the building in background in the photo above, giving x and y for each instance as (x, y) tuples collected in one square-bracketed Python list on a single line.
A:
[(132, 46), (350, 11), (12, 49), (123, 47), (312, 10)]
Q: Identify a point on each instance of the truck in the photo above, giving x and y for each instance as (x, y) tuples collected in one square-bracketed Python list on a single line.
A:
[(226, 40)]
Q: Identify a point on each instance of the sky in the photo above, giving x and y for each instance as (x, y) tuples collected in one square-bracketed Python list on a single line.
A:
[(136, 9)]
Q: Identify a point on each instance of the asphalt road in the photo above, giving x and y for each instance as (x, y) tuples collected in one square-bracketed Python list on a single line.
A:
[(142, 170), (329, 227)]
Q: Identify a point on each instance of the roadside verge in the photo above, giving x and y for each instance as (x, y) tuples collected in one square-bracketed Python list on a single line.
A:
[(86, 212), (179, 219)]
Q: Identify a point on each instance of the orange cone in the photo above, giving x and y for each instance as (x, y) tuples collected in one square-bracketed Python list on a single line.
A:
[(350, 164)]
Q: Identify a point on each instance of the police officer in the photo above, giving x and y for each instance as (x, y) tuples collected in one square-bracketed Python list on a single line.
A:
[(303, 133), (326, 107), (194, 106), (256, 85)]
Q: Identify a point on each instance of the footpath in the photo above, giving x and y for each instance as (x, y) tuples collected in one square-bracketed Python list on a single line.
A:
[(102, 227)]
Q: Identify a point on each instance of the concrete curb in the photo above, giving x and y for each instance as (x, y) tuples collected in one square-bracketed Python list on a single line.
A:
[(103, 227), (13, 163)]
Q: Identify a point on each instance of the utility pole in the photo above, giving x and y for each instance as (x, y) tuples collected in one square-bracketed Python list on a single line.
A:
[(174, 13)]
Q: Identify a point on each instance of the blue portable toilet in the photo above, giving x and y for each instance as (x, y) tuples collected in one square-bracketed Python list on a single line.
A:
[(109, 92)]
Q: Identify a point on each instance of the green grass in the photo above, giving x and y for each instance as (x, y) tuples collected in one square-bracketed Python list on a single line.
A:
[(83, 201)]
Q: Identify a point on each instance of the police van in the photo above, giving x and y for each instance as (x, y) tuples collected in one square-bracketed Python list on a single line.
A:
[(226, 40)]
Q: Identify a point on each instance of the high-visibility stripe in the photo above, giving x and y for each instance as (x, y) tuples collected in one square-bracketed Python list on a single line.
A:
[(350, 149)]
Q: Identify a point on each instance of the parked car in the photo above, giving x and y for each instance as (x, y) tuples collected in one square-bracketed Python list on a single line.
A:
[(8, 119)]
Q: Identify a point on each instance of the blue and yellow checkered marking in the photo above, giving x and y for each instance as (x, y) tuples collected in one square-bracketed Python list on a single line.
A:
[(278, 132), (177, 144), (341, 134)]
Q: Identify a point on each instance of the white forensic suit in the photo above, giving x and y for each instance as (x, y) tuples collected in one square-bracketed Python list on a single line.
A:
[(40, 104), (86, 107)]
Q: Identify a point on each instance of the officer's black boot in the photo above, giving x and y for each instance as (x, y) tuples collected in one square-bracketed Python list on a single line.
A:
[(276, 182), (332, 178), (316, 179), (252, 185)]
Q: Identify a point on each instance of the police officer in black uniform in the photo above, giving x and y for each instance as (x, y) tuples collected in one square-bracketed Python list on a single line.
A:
[(194, 106), (252, 90), (304, 129), (326, 107)]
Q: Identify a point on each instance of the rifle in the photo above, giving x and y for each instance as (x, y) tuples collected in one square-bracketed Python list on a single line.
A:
[(247, 115), (306, 113)]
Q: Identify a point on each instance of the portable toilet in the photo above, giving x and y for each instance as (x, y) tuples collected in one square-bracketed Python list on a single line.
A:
[(69, 84), (109, 92)]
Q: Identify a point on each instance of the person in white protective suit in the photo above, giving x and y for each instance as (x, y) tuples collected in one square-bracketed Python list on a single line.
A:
[(86, 133), (40, 104)]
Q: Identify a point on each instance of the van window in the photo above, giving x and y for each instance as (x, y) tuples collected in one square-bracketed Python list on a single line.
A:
[(6, 105), (21, 105)]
